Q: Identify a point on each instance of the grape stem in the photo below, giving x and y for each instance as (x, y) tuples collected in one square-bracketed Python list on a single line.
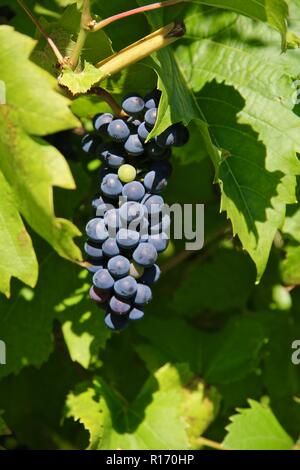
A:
[(153, 6), (107, 97), (61, 59), (203, 441), (141, 49)]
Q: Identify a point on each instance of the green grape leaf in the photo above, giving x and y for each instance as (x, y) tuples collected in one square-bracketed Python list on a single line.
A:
[(256, 428), (290, 266), (162, 399), (80, 82), (255, 200), (29, 166), (225, 282), (26, 322), (274, 12), (234, 352)]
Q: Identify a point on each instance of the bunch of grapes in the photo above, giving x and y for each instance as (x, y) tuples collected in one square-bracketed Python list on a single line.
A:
[(129, 228)]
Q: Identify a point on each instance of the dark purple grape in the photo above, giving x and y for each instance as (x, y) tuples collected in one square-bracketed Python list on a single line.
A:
[(152, 99), (96, 230), (111, 186), (127, 239), (133, 145), (150, 276), (103, 280), (136, 314), (92, 251), (110, 248), (99, 296), (119, 306), (118, 266), (150, 117), (116, 322), (160, 241), (143, 132), (126, 288), (145, 255), (133, 105), (133, 191), (118, 130), (143, 295), (153, 204), (101, 122)]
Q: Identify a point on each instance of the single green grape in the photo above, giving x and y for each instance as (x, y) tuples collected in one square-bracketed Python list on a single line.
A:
[(127, 173)]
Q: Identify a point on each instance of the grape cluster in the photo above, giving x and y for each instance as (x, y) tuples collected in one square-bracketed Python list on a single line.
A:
[(129, 228)]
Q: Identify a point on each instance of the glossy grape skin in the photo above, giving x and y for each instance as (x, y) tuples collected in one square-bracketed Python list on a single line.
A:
[(136, 314), (101, 122), (175, 136), (110, 248), (111, 186), (134, 191), (143, 295), (101, 297), (150, 117), (112, 220), (133, 105), (150, 276), (143, 132), (89, 144), (94, 252), (127, 239), (153, 204), (96, 230), (119, 306), (118, 266), (116, 322), (155, 182), (182, 135), (133, 145), (103, 280), (160, 241), (118, 130), (126, 287), (132, 211), (152, 99), (145, 255), (111, 155), (154, 150), (158, 226)]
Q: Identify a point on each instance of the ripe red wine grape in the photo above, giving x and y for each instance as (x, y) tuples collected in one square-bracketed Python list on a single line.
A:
[(127, 229)]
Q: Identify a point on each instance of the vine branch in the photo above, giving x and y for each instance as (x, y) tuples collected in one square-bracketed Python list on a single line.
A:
[(86, 19), (56, 51), (154, 6), (108, 98)]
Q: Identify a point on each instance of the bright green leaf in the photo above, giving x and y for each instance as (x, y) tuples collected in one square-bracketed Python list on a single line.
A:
[(80, 82), (256, 428)]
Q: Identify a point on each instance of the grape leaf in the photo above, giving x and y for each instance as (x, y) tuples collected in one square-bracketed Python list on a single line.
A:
[(234, 352), (162, 399), (26, 322), (290, 266), (225, 282), (29, 166), (255, 215), (256, 428), (274, 12), (80, 82)]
